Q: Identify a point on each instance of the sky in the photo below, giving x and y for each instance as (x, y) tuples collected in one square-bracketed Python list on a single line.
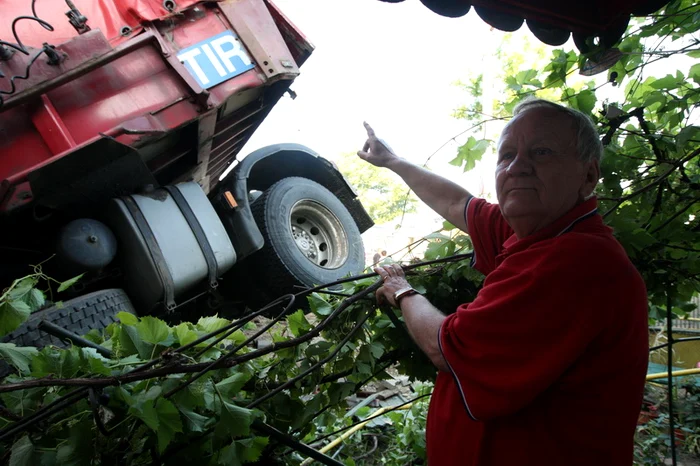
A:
[(392, 65)]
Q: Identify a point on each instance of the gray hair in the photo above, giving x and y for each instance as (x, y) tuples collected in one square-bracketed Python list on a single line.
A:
[(588, 145)]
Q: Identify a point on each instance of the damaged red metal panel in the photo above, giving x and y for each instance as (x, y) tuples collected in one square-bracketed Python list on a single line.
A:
[(109, 16), (137, 91)]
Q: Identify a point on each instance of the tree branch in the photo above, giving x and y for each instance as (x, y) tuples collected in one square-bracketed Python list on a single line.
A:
[(676, 215), (646, 188), (657, 203), (639, 113), (615, 124), (187, 368)]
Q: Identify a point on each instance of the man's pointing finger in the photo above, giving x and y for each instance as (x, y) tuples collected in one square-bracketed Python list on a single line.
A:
[(370, 131)]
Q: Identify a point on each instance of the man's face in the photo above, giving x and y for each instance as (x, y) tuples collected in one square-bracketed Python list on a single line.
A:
[(539, 176)]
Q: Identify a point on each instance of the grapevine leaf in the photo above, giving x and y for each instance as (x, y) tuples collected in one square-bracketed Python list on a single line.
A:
[(22, 453), (18, 356), (235, 421), (250, 449), (230, 386), (169, 422), (95, 362), (12, 315), (376, 349), (20, 401), (195, 422), (211, 323), (60, 364), (131, 343), (237, 337), (79, 448), (585, 101), (318, 305), (689, 132), (311, 408), (152, 330), (127, 318), (340, 391), (21, 288), (146, 411), (447, 226), (229, 455), (185, 335), (211, 399), (298, 324), (470, 153), (35, 299), (319, 348), (68, 283)]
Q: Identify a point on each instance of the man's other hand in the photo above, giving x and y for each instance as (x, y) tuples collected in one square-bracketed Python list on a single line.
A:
[(394, 280), (376, 151)]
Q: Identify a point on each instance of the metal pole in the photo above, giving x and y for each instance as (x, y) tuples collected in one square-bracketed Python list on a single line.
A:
[(77, 340), (669, 368)]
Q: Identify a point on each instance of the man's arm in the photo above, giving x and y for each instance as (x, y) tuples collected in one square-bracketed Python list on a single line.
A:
[(423, 320), (443, 196)]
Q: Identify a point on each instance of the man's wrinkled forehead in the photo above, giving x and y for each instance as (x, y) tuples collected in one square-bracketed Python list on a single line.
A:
[(540, 123)]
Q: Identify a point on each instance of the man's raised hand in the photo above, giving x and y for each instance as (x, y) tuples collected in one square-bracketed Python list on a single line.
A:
[(376, 151)]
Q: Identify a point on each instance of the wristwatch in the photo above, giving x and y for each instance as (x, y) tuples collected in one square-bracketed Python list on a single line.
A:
[(402, 293)]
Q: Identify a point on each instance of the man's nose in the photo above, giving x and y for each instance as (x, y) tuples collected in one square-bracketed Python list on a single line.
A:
[(520, 165)]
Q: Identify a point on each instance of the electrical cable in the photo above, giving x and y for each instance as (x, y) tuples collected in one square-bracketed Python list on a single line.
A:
[(18, 46)]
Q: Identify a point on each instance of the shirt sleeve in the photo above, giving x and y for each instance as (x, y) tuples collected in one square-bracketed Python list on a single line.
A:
[(488, 231), (532, 319)]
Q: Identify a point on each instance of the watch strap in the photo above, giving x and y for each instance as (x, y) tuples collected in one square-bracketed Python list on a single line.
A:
[(403, 292)]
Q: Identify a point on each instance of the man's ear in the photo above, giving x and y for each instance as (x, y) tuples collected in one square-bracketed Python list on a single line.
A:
[(591, 180)]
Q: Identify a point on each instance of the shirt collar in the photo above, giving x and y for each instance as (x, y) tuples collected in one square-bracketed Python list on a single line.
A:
[(563, 224)]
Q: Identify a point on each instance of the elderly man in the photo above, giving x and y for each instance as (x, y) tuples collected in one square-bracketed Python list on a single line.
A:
[(546, 366)]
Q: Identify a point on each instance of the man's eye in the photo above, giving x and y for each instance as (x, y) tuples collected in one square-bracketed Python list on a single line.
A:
[(506, 156), (541, 151)]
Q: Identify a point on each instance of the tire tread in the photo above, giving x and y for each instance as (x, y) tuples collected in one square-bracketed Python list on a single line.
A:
[(79, 315)]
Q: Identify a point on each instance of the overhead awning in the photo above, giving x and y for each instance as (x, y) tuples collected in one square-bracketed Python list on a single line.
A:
[(591, 22)]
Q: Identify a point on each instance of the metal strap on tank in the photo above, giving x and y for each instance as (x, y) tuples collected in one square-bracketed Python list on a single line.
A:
[(156, 253), (198, 231)]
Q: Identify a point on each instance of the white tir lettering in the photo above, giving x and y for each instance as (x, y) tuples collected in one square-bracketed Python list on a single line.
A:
[(214, 61), (189, 57), (235, 51)]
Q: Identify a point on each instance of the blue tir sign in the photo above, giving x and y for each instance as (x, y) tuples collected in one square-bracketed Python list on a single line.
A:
[(216, 59)]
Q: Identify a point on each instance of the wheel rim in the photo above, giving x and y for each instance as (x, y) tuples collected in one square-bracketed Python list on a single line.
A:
[(318, 234)]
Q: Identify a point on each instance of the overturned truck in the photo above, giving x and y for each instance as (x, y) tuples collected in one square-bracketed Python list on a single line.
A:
[(120, 123)]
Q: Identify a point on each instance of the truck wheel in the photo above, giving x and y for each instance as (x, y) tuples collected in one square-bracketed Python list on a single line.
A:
[(80, 315), (310, 237)]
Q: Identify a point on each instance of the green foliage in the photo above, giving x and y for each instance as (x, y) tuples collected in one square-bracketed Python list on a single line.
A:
[(396, 438), (19, 357), (23, 297), (383, 194), (68, 283), (209, 420), (470, 153)]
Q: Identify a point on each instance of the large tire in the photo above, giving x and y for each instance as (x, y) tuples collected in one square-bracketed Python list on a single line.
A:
[(80, 315), (310, 237)]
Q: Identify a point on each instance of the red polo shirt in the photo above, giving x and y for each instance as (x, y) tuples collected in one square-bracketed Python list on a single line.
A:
[(547, 364)]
